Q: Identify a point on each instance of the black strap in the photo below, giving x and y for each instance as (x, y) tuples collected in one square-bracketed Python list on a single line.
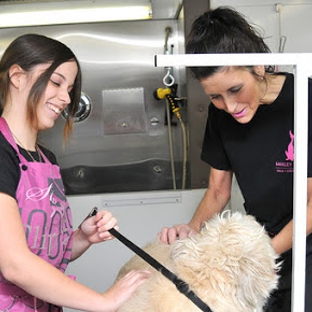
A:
[(181, 285)]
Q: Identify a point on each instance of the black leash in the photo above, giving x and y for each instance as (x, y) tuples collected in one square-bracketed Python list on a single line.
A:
[(181, 285)]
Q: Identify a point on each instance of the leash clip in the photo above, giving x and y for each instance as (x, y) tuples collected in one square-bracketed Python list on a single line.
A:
[(92, 213)]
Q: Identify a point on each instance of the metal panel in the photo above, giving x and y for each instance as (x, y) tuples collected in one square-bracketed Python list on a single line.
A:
[(124, 111)]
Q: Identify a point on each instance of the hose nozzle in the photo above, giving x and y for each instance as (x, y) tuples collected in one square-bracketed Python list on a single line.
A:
[(161, 93)]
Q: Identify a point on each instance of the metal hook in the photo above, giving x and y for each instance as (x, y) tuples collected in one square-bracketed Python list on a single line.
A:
[(168, 79), (282, 44), (168, 31)]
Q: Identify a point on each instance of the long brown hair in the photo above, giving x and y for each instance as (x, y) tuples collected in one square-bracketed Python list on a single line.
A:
[(28, 51)]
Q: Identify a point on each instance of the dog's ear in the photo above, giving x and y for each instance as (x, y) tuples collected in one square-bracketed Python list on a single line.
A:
[(256, 280), (256, 268)]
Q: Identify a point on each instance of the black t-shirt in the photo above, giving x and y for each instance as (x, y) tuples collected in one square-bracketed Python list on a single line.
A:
[(260, 153), (9, 165)]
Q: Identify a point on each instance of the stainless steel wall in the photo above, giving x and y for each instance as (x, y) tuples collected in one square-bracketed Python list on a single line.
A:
[(123, 144)]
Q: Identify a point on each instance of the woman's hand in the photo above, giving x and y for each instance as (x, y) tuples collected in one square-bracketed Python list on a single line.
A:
[(124, 288), (169, 235), (96, 228)]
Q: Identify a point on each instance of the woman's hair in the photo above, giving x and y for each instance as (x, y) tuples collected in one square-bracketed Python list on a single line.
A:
[(28, 51), (222, 30)]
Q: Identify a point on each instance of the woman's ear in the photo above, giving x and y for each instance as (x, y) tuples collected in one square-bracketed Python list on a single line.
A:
[(259, 70), (15, 74)]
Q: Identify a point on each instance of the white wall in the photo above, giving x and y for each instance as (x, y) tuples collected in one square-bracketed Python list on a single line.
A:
[(286, 18)]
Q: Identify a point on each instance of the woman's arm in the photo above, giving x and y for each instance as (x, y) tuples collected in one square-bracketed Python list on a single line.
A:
[(37, 277), (284, 239), (215, 199)]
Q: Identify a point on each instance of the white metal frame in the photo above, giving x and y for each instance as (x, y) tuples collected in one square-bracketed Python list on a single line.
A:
[(302, 64)]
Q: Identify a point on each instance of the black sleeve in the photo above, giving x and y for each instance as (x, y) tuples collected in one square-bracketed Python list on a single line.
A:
[(213, 151), (9, 168)]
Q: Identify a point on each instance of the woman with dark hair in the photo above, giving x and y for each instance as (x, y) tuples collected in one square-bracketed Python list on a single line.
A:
[(249, 133), (39, 78)]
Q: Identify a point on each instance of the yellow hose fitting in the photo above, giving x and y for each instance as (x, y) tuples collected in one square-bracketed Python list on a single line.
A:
[(161, 93), (176, 111)]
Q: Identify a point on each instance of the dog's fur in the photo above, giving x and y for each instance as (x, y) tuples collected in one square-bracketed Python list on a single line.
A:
[(230, 265)]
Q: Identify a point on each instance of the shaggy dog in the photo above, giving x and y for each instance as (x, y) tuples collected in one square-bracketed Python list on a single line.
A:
[(230, 265)]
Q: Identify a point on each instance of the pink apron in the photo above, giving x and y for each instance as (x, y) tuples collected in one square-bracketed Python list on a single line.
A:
[(47, 221)]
